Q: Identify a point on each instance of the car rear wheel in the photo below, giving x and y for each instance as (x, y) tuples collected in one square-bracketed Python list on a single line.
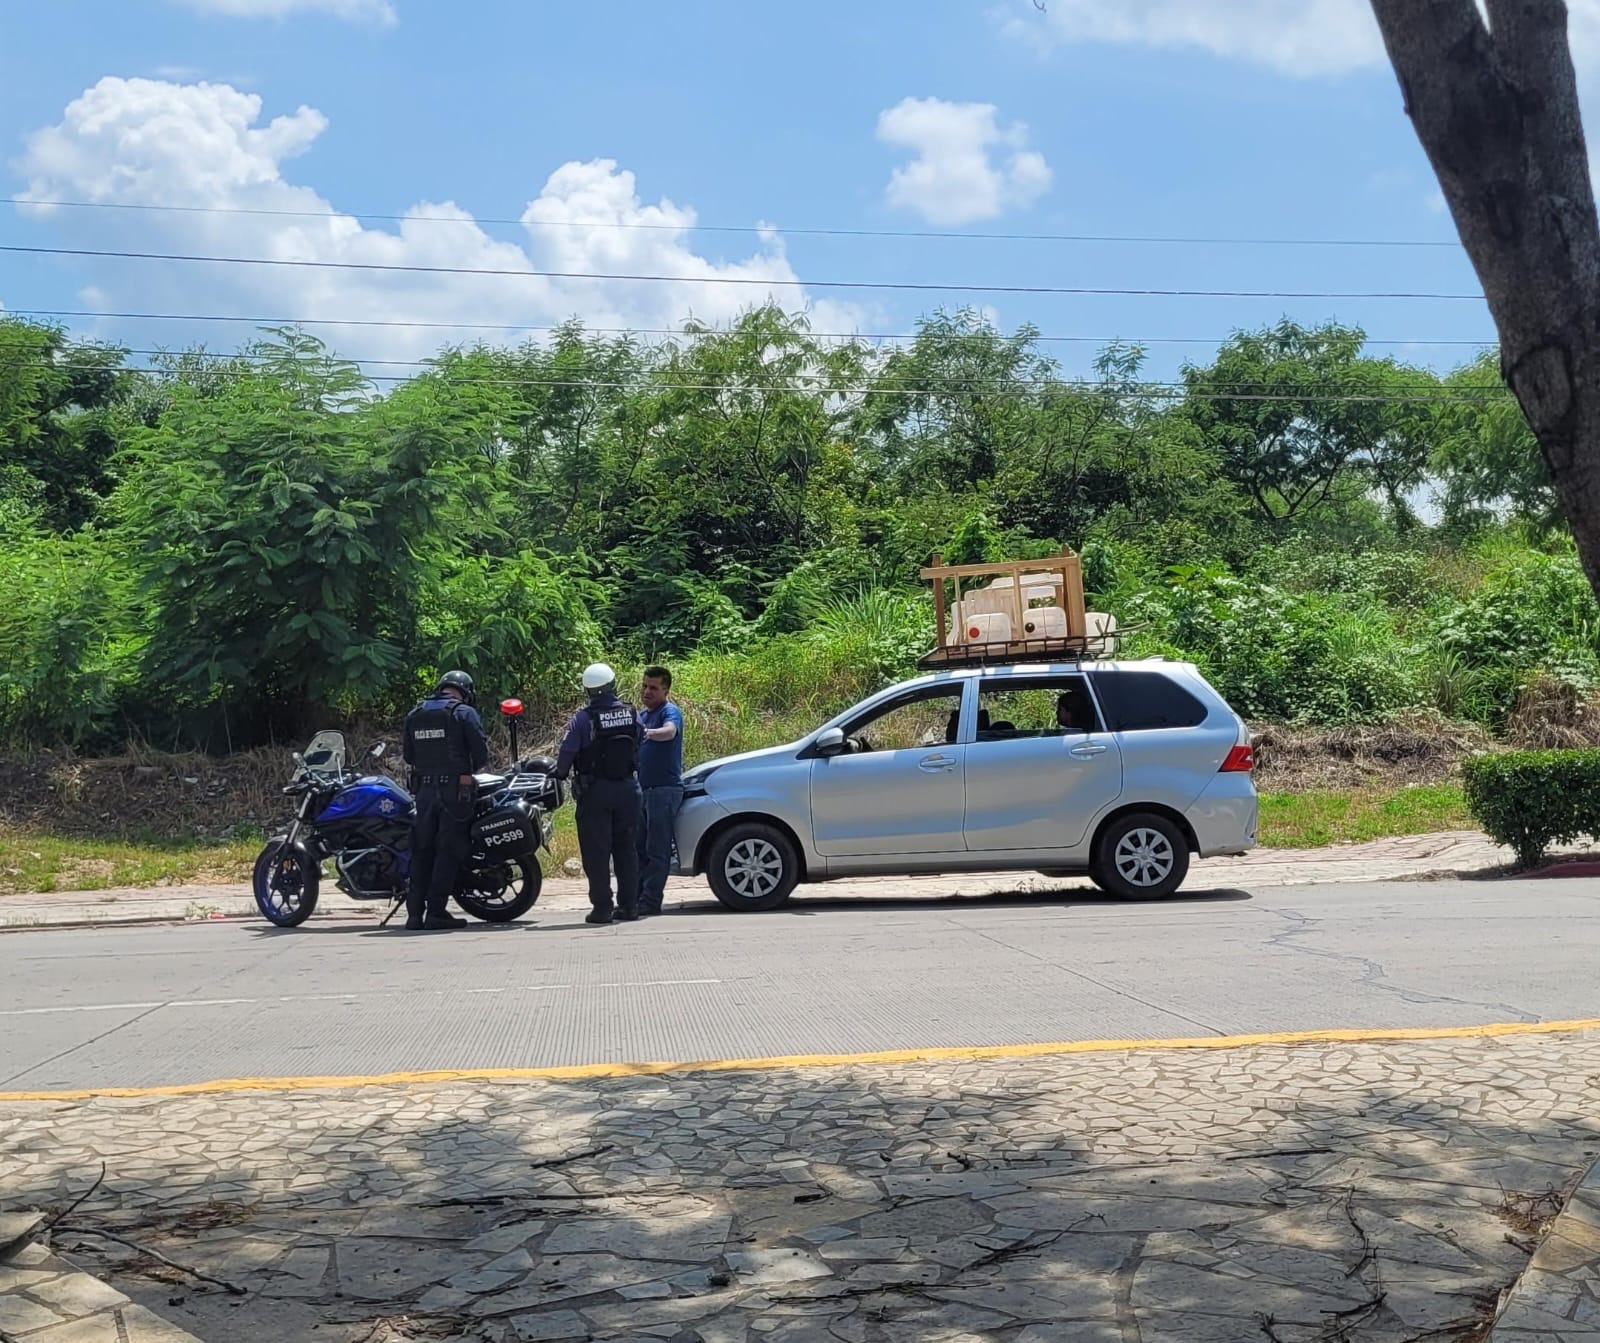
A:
[(1142, 856), (752, 867)]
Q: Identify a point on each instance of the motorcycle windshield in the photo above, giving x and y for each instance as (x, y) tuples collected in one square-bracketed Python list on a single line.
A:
[(325, 754)]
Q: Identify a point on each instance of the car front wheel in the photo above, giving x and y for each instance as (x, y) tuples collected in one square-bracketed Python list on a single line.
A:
[(1142, 856), (752, 867)]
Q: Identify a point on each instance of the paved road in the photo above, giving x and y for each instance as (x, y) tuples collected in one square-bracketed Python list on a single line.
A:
[(165, 1005)]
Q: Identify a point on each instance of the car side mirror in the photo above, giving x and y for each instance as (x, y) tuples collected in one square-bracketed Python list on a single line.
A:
[(830, 742)]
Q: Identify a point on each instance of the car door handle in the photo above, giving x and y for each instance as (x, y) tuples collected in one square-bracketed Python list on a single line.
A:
[(936, 764), (1087, 750)]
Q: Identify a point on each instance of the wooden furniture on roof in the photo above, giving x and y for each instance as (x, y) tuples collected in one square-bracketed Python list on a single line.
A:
[(1029, 611)]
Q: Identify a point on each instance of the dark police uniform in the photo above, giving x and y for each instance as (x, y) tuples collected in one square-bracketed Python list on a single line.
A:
[(444, 740), (602, 748)]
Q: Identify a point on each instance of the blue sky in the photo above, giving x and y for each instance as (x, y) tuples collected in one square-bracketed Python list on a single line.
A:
[(1237, 118)]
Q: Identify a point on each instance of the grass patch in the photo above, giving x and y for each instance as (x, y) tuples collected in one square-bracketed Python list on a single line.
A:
[(1315, 820), (30, 861)]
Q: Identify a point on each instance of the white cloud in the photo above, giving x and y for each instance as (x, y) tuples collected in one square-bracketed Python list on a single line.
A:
[(1294, 37), (966, 165), (138, 141), (357, 11), (1302, 37)]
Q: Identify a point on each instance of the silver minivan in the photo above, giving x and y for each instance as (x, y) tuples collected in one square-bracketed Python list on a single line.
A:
[(1117, 770)]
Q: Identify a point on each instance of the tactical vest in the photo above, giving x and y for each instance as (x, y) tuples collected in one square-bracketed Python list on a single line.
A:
[(438, 740), (613, 749)]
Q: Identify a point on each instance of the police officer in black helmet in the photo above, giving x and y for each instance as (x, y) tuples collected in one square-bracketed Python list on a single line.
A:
[(602, 748), (444, 746)]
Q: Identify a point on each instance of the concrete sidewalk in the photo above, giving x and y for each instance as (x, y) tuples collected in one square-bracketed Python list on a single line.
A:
[(1380, 1192), (1412, 856)]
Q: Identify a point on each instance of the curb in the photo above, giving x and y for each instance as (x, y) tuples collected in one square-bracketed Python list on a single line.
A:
[(1554, 1298), (1581, 867)]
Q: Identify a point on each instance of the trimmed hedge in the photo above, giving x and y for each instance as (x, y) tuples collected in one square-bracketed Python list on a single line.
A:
[(1529, 800)]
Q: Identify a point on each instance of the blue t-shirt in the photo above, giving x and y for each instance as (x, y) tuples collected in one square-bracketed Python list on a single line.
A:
[(661, 762)]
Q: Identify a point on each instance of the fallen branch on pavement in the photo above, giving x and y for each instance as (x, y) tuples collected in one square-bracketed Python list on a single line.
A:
[(77, 1203), (1368, 1254), (233, 1289), (555, 1161)]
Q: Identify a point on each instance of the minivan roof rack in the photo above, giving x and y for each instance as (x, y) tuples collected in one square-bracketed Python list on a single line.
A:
[(1093, 648)]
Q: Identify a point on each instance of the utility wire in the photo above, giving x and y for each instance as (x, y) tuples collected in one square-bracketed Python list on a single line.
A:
[(398, 324), (1010, 391), (579, 374), (735, 228), (901, 285)]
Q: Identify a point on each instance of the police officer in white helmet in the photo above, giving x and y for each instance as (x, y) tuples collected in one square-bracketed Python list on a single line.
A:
[(601, 749)]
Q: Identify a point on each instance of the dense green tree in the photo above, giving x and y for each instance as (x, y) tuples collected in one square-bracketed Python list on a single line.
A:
[(275, 540), (944, 412), (280, 525), (1298, 413), (1486, 455), (57, 402)]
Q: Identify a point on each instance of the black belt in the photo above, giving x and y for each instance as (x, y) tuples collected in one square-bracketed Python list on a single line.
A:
[(436, 780)]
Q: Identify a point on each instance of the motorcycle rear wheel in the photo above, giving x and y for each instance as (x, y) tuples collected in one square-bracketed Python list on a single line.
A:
[(285, 887), (501, 892)]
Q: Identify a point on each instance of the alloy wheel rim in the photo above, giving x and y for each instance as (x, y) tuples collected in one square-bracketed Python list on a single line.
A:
[(1144, 857), (754, 868)]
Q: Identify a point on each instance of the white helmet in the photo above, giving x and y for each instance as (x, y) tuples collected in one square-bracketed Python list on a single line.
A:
[(597, 676)]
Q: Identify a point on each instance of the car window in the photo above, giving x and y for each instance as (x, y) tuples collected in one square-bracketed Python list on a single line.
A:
[(929, 718), (1052, 706), (1146, 701)]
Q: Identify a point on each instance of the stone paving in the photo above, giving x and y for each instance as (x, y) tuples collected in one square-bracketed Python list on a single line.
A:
[(44, 1299), (1557, 1298), (1407, 857), (1305, 1194)]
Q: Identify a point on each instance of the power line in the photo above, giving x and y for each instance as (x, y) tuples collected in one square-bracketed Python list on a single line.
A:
[(902, 285), (1009, 390), (579, 375), (735, 228), (649, 331)]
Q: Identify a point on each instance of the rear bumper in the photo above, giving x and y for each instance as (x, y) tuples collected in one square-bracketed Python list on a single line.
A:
[(1224, 817)]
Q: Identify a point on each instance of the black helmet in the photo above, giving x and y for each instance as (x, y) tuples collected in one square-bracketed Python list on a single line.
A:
[(458, 680)]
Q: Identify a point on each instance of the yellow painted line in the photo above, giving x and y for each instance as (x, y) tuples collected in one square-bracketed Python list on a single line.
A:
[(956, 1054)]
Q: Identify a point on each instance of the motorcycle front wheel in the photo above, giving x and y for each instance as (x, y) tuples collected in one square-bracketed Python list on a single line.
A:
[(285, 884), (501, 892)]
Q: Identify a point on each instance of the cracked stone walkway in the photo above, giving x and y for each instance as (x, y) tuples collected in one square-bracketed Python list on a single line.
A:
[(1306, 1194)]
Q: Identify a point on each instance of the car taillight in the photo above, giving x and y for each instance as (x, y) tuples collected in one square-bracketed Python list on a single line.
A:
[(1241, 760)]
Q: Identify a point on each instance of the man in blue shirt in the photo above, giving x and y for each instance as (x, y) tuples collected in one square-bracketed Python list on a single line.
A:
[(661, 779)]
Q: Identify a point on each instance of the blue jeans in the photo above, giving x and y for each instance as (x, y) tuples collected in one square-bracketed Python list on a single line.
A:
[(655, 844)]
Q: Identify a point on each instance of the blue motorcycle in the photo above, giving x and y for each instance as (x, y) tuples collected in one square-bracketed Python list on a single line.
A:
[(362, 824)]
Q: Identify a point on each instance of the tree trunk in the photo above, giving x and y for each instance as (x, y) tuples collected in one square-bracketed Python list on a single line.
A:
[(1496, 108)]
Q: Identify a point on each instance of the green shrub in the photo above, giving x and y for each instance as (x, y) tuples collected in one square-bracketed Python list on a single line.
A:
[(1529, 800), (69, 647), (1283, 656)]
